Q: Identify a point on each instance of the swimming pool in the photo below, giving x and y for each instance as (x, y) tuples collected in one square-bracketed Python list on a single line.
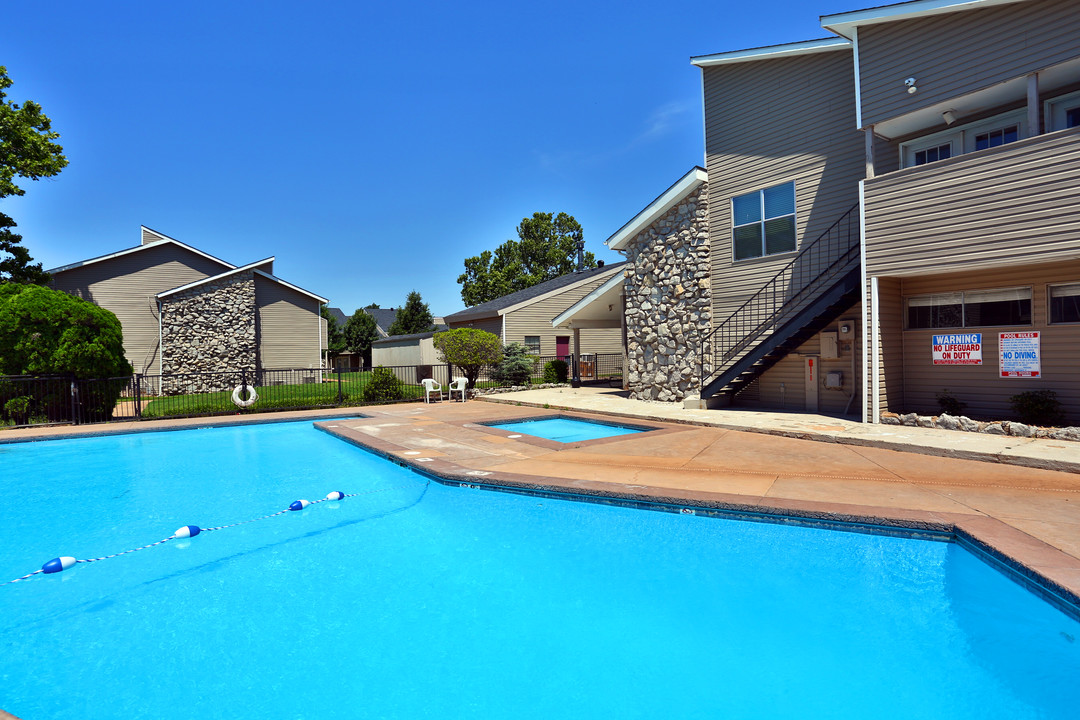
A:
[(421, 600), (566, 430)]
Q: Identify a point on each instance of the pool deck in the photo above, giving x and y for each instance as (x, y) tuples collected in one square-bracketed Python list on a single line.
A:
[(774, 463)]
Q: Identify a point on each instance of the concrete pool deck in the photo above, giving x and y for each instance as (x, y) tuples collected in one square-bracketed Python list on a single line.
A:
[(1029, 514)]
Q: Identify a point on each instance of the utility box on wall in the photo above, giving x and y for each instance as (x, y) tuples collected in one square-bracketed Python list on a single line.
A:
[(830, 346)]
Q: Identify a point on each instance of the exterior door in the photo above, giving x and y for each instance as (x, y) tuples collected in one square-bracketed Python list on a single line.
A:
[(562, 346)]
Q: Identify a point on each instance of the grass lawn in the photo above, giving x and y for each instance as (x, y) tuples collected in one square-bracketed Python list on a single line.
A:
[(273, 397)]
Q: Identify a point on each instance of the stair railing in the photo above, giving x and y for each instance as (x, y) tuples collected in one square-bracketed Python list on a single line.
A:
[(791, 288)]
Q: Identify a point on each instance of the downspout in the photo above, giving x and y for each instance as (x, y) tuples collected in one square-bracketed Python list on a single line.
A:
[(875, 351), (160, 341), (864, 318)]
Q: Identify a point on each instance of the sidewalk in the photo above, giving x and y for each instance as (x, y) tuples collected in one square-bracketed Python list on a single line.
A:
[(1025, 452)]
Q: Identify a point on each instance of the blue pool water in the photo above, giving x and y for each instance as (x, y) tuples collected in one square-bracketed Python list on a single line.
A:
[(418, 600), (566, 430)]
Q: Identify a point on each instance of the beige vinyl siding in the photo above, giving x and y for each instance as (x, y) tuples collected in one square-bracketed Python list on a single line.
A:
[(417, 351), (771, 122), (959, 52), (535, 319), (127, 286), (979, 386), (789, 372), (287, 326), (1010, 204), (890, 347)]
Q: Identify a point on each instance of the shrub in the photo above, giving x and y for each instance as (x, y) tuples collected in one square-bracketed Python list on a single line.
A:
[(516, 366), (48, 332), (556, 371), (950, 404), (384, 386), (470, 349), (1038, 407), (18, 409)]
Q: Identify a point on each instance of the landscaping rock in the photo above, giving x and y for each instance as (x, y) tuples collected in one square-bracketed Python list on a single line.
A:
[(924, 421), (890, 419), (1021, 430), (909, 419), (994, 429), (948, 422)]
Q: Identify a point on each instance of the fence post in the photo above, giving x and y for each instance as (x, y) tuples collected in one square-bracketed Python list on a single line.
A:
[(576, 379), (138, 396), (449, 373), (340, 395), (74, 401)]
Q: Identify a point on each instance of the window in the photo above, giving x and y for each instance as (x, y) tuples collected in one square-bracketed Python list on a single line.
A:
[(764, 222), (1063, 112), (941, 152), (992, 132), (532, 343), (1001, 136), (1065, 303), (971, 308)]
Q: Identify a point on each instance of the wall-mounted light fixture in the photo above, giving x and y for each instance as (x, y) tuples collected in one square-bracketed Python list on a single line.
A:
[(949, 116), (910, 82)]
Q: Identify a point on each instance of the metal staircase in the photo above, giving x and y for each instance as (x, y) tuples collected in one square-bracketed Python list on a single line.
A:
[(810, 292)]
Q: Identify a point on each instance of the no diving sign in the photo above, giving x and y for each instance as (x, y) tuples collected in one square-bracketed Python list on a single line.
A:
[(1020, 355), (958, 349)]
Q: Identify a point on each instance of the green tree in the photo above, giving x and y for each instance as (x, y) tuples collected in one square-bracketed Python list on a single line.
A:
[(360, 331), (413, 317), (17, 266), (470, 349), (27, 150), (545, 249), (335, 338), (516, 366)]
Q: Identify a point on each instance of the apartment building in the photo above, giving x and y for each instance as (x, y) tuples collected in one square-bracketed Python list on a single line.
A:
[(884, 216)]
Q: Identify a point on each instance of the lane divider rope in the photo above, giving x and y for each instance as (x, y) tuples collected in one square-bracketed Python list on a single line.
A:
[(59, 564)]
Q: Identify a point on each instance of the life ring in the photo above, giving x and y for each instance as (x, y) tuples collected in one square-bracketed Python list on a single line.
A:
[(239, 401)]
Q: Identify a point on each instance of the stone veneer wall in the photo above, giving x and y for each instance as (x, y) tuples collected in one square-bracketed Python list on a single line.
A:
[(669, 302), (210, 328)]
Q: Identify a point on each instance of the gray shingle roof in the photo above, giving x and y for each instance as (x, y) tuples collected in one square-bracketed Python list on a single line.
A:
[(384, 317), (492, 307), (339, 316)]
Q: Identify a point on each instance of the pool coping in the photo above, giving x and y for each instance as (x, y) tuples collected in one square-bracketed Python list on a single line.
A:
[(1022, 558)]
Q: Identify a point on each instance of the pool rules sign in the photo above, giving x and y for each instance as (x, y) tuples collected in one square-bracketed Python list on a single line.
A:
[(1020, 355), (961, 349)]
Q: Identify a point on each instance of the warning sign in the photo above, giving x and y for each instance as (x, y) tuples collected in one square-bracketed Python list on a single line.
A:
[(1021, 355), (962, 349)]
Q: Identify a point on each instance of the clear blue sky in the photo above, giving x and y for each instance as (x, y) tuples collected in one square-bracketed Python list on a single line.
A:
[(371, 147)]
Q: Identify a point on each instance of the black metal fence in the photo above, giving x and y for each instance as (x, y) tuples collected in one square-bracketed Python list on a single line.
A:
[(30, 400)]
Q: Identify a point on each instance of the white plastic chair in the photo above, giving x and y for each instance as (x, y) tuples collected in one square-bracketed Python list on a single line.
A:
[(430, 386), (458, 386)]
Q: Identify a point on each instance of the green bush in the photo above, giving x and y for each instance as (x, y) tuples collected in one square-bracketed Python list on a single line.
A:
[(516, 366), (384, 386), (556, 371), (48, 332), (1038, 407), (950, 404), (18, 409)]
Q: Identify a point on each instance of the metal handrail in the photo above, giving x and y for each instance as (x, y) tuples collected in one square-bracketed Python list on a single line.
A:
[(776, 300)]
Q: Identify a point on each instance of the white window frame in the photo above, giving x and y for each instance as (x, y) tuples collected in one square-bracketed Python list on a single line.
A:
[(962, 139), (1049, 304), (761, 195), (1054, 110), (529, 346)]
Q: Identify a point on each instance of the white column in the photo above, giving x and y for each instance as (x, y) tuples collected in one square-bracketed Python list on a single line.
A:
[(875, 349)]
